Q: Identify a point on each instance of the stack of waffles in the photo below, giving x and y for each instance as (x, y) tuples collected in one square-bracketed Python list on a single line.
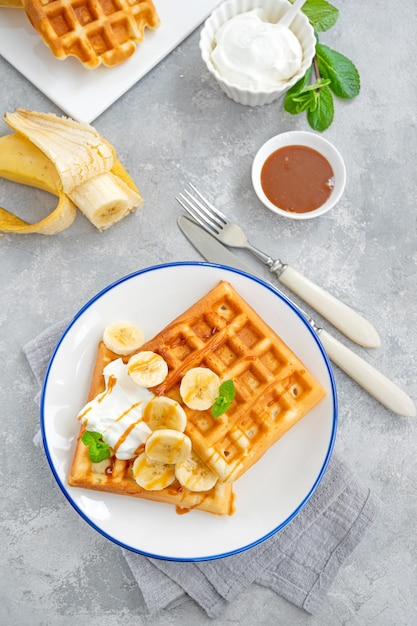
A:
[(274, 390)]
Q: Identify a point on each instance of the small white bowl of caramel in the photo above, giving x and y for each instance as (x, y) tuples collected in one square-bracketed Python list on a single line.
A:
[(298, 174)]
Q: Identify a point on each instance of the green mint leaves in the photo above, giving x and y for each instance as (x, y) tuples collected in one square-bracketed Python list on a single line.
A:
[(98, 449), (226, 396), (334, 74), (321, 14)]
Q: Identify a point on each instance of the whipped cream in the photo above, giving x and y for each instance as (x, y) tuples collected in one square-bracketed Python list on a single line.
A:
[(253, 53), (117, 412)]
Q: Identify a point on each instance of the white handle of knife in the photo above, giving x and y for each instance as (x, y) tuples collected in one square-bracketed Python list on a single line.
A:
[(369, 378), (348, 321)]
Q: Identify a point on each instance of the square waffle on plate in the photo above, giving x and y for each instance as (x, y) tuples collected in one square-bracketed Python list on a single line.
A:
[(274, 390), (94, 31)]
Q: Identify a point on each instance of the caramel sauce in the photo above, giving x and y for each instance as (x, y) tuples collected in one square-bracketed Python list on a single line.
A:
[(125, 435), (140, 366), (83, 414), (111, 383), (133, 406), (297, 179), (181, 511)]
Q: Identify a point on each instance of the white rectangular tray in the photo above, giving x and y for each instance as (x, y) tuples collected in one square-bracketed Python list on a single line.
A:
[(84, 94)]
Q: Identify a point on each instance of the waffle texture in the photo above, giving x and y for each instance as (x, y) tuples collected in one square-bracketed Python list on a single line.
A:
[(117, 478), (95, 31), (274, 389)]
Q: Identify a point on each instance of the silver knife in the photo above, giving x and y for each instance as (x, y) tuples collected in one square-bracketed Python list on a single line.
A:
[(369, 378)]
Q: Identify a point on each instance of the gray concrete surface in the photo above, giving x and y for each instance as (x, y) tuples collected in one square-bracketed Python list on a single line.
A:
[(173, 126)]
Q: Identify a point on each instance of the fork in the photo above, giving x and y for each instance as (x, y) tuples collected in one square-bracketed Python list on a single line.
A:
[(343, 317)]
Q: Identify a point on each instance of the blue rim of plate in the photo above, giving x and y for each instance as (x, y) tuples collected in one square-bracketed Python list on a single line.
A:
[(320, 475)]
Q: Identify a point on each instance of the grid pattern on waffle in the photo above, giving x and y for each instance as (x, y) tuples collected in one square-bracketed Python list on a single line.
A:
[(274, 390), (94, 31), (218, 501), (117, 478)]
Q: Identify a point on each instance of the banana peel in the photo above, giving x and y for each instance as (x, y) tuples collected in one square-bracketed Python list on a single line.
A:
[(12, 4), (23, 162)]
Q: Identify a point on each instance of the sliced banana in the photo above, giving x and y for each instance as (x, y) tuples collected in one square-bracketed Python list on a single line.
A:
[(168, 446), (163, 412), (147, 369), (123, 338), (194, 474), (152, 475), (199, 388)]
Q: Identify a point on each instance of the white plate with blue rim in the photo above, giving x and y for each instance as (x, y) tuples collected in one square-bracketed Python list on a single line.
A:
[(268, 496)]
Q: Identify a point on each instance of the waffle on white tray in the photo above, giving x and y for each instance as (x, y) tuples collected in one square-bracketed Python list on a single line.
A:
[(94, 31), (274, 390)]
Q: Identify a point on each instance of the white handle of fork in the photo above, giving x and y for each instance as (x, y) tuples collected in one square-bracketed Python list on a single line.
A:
[(348, 321)]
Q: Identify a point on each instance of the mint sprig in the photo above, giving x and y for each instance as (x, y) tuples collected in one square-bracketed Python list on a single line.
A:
[(98, 449), (334, 74), (225, 398)]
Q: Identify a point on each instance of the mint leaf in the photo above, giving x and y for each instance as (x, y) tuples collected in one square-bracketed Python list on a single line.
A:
[(226, 396), (303, 97), (98, 449), (321, 14), (227, 390), (334, 73), (339, 70), (321, 116)]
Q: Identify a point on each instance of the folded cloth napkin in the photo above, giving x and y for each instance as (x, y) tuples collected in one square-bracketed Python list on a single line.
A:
[(299, 563)]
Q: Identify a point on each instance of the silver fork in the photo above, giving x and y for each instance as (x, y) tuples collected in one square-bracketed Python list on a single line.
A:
[(343, 317)]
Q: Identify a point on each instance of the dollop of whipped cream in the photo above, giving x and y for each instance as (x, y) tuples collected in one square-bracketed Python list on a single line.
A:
[(253, 53), (117, 412)]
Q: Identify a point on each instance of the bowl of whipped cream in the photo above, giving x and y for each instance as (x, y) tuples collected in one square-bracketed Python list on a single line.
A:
[(253, 57)]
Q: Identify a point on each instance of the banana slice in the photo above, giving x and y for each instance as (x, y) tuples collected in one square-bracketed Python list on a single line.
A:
[(199, 388), (194, 474), (163, 412), (123, 338), (147, 369), (152, 475), (168, 446)]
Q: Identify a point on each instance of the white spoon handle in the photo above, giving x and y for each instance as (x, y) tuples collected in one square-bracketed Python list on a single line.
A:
[(291, 13)]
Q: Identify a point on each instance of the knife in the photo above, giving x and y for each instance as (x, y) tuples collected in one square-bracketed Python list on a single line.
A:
[(367, 376)]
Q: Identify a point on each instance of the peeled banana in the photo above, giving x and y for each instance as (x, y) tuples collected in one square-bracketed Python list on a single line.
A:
[(81, 168)]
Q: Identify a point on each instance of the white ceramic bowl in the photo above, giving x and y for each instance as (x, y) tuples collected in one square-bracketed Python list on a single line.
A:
[(310, 140), (274, 10)]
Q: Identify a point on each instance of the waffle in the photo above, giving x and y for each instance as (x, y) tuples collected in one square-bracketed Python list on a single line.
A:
[(94, 31), (118, 477), (274, 389)]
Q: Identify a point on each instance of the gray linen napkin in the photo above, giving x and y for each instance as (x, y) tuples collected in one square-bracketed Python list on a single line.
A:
[(299, 563)]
